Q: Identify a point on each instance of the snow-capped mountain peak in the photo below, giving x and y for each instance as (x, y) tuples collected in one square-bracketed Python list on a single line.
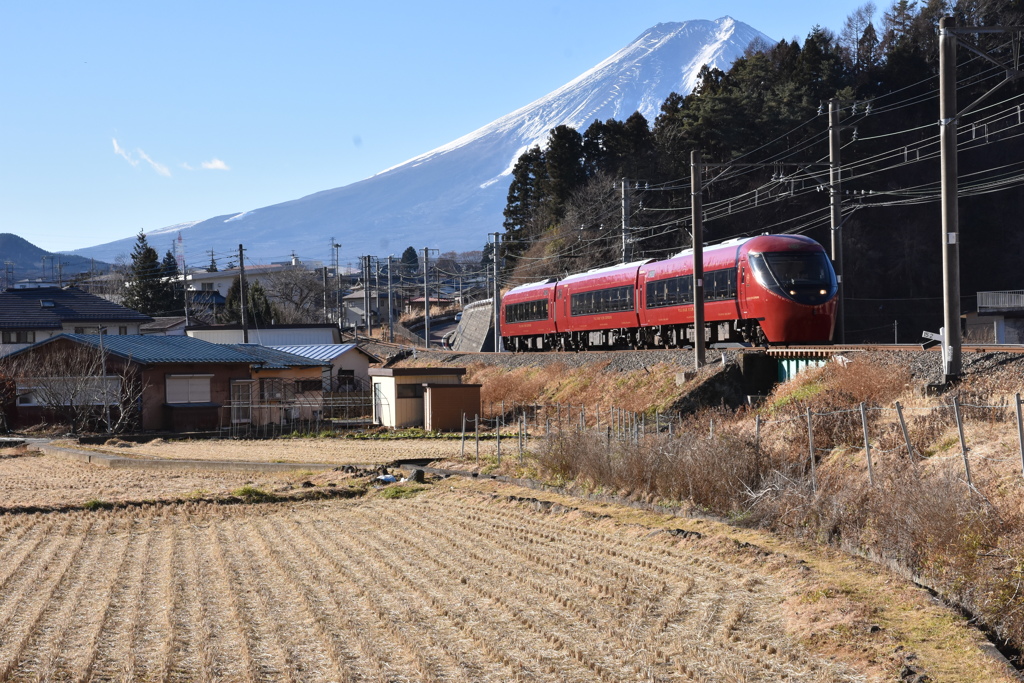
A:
[(452, 196)]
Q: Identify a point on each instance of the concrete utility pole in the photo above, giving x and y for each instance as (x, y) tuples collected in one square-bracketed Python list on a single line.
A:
[(696, 193), (243, 291), (366, 295), (391, 303), (426, 296), (323, 272), (627, 240), (496, 295), (950, 188), (336, 246), (835, 202)]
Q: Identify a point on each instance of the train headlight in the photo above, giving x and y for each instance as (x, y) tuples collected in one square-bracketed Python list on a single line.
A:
[(823, 292), (792, 292)]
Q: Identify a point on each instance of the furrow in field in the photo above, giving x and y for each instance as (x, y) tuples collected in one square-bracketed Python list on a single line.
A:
[(61, 638), (481, 654), (267, 635), (525, 621), (291, 596), (152, 625), (227, 655), (110, 603), (45, 582), (428, 643)]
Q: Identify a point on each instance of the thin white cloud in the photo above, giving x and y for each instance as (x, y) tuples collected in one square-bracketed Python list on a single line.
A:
[(132, 159), (157, 166), (119, 151), (215, 165), (185, 165)]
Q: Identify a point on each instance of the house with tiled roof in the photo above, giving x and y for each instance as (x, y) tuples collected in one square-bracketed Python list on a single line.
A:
[(28, 316), (165, 383)]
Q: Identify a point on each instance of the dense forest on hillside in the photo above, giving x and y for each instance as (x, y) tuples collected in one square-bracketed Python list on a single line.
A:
[(565, 202)]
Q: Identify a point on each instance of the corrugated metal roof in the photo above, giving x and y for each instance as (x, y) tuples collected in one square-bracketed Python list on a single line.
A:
[(275, 358), (161, 349), (324, 352)]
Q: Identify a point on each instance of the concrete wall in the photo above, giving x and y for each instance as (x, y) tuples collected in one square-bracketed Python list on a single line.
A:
[(475, 332), (271, 337)]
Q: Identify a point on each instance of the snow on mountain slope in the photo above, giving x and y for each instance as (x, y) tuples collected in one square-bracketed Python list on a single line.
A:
[(452, 196)]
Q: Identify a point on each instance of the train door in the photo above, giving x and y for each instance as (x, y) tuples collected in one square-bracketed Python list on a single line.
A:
[(741, 288)]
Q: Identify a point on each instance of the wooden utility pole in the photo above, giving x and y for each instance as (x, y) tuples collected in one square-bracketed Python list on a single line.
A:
[(243, 291), (696, 192), (836, 205)]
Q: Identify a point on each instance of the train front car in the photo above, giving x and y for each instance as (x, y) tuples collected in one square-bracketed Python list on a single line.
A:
[(528, 317), (787, 284)]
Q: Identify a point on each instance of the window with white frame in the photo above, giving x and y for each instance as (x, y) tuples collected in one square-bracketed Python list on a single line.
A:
[(188, 388)]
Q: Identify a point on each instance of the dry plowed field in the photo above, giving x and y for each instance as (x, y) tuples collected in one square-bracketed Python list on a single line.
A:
[(446, 586)]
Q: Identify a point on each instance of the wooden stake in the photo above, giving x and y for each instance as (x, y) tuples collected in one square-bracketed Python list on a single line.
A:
[(1020, 432), (810, 445), (906, 433), (963, 441), (867, 442)]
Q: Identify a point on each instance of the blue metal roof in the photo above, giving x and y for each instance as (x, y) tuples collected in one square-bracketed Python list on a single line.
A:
[(323, 352), (161, 349), (275, 358)]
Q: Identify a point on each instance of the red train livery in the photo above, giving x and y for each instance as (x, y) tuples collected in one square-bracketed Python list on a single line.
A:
[(771, 289)]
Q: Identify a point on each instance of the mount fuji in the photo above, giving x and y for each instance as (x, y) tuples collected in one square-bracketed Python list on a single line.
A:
[(451, 197)]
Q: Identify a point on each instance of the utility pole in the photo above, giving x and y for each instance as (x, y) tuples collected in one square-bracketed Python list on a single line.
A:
[(696, 193), (391, 303), (366, 294), (426, 296), (950, 187), (376, 286), (835, 203), (627, 241), (243, 291), (323, 272), (335, 246), (496, 296)]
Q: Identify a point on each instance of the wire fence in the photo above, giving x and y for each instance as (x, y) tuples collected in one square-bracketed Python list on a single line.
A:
[(876, 430)]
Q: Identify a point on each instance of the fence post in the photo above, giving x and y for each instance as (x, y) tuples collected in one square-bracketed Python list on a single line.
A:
[(463, 442), (497, 432), (476, 428), (711, 435), (522, 424), (810, 445), (906, 434), (867, 443), (1020, 432), (670, 429), (657, 422), (547, 428), (963, 441)]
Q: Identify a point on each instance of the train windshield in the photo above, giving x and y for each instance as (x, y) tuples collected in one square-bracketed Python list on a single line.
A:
[(803, 276)]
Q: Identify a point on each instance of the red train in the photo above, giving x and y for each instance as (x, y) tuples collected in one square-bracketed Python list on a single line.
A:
[(771, 289)]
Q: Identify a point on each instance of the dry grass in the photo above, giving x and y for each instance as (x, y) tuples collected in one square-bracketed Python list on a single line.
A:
[(50, 481), (637, 391), (330, 451), (445, 586)]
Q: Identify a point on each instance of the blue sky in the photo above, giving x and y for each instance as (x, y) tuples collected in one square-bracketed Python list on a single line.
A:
[(120, 116)]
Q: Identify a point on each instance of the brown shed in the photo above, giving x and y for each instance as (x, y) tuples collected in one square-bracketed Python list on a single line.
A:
[(445, 404)]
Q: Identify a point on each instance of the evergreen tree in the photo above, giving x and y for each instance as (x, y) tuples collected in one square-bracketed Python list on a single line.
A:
[(410, 261), (146, 289), (259, 311), (169, 266), (212, 268)]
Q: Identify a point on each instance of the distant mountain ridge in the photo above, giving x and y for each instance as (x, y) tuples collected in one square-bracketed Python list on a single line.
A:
[(27, 261), (452, 196)]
